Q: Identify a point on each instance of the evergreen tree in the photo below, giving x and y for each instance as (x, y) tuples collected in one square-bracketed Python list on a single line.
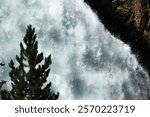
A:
[(30, 75), (2, 82)]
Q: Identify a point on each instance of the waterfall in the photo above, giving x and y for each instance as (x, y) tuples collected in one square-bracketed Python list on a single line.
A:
[(87, 61)]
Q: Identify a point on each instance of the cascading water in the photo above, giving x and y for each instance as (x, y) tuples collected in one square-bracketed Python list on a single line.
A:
[(88, 62)]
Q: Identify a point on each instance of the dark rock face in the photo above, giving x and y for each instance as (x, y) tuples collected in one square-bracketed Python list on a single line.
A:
[(129, 19)]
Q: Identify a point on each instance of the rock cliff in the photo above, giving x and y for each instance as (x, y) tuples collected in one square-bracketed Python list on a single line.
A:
[(130, 20)]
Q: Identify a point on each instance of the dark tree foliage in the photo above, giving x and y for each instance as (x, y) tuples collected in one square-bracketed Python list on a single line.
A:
[(30, 75), (2, 82)]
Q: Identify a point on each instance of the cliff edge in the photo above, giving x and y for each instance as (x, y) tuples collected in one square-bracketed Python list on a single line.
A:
[(130, 20)]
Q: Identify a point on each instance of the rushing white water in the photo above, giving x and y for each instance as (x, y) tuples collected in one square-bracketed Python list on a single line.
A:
[(88, 62)]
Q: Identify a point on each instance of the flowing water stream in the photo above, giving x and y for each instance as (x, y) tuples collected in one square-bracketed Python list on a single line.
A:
[(88, 61)]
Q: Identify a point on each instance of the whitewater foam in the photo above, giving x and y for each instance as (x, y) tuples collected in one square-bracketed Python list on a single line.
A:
[(88, 62)]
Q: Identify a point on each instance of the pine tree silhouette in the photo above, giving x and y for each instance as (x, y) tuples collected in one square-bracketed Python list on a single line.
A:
[(2, 82), (30, 75)]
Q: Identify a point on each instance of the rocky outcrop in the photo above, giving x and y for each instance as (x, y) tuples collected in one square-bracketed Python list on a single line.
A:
[(130, 20), (135, 12)]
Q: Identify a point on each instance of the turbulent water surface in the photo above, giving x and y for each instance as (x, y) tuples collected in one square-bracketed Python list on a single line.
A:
[(88, 62)]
